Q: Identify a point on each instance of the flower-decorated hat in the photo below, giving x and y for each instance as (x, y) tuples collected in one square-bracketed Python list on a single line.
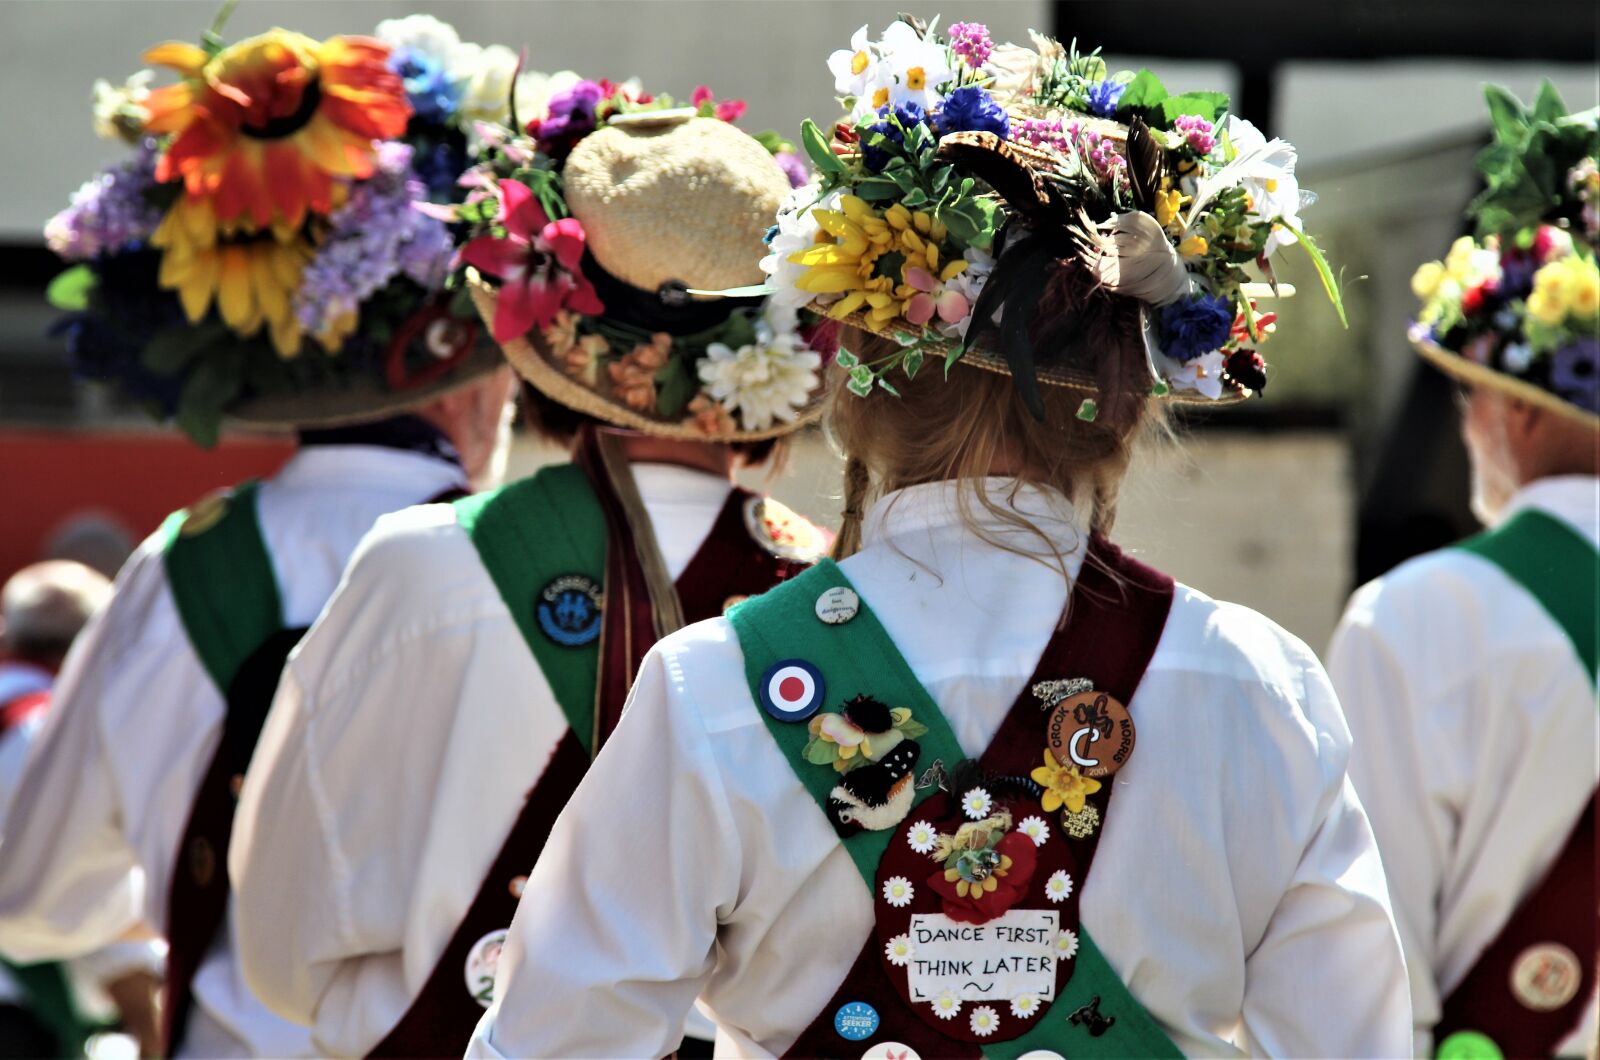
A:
[(261, 257), (602, 224), (1517, 307), (979, 197)]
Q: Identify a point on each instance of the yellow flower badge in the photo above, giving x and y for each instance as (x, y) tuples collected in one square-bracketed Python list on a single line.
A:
[(1063, 785)]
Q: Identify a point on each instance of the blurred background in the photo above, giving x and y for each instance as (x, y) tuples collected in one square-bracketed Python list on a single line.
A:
[(1349, 464)]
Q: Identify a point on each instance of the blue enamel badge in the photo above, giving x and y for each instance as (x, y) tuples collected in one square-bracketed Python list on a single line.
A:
[(568, 610), (856, 1021), (792, 690)]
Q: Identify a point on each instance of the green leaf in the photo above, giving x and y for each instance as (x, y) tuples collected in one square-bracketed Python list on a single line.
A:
[(674, 388), (774, 143), (876, 189), (914, 198), (845, 359), (885, 384), (170, 350), (214, 382), (1205, 105), (1506, 115), (1088, 410), (70, 289), (913, 729), (912, 363), (1547, 105), (950, 360), (861, 375), (1144, 91), (858, 388), (1324, 273), (817, 148), (820, 752)]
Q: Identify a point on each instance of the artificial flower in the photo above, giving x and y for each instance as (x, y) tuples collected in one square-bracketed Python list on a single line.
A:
[(1575, 373), (633, 378), (729, 110), (1025, 1006), (1551, 292), (584, 359), (913, 69), (1103, 97), (1426, 280), (1066, 944), (853, 67), (970, 41), (709, 417), (976, 803), (1169, 205), (429, 57), (537, 263), (853, 239), (1035, 829), (1203, 374), (971, 109), (571, 112), (794, 167), (978, 885), (766, 382), (1058, 888), (1193, 326), (892, 124), (946, 1006), (899, 950), (898, 891), (1517, 356), (1063, 785), (491, 79), (1198, 133), (1193, 247), (266, 126), (119, 110), (796, 231), (922, 837), (985, 1021), (1265, 168), (110, 213)]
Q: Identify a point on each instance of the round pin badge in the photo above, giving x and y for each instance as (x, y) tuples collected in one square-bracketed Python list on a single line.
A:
[(792, 690), (1092, 731), (482, 960), (856, 1021), (838, 605), (1545, 976), (1469, 1045), (1041, 1054), (890, 1051), (568, 610)]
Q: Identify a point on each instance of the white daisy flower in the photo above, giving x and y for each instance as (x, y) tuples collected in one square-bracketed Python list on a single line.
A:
[(922, 837), (946, 1006), (1067, 944), (1035, 829), (976, 804), (767, 381), (900, 951), (898, 892), (1025, 1006), (985, 1021), (1058, 888)]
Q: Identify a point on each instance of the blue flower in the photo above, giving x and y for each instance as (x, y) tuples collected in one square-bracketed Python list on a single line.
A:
[(1103, 96), (909, 115), (1195, 326), (434, 97), (971, 109), (1575, 373)]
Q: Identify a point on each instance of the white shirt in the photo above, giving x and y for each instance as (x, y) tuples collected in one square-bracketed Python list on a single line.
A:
[(407, 730), (1477, 733), (102, 805), (1237, 889)]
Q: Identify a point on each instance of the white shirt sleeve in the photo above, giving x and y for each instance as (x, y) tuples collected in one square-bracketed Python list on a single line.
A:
[(651, 809)]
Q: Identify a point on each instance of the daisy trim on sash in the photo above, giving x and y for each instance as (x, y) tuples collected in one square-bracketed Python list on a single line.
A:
[(899, 950), (922, 837), (1058, 888), (976, 804), (1036, 829), (985, 1021), (898, 891)]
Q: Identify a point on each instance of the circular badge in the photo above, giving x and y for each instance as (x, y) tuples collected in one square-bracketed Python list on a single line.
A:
[(792, 690), (568, 610), (890, 1051), (1545, 977), (1469, 1045), (1092, 731), (204, 513), (856, 1021), (482, 960), (838, 605)]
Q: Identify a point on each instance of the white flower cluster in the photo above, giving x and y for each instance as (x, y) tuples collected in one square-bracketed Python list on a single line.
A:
[(900, 67), (481, 75), (768, 381)]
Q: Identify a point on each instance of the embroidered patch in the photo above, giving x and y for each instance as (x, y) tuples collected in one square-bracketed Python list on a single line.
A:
[(776, 528), (792, 690), (856, 1021), (482, 960), (569, 610)]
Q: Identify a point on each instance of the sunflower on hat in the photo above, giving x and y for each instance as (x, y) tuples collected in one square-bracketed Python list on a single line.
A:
[(262, 242), (1517, 305), (971, 180), (600, 220)]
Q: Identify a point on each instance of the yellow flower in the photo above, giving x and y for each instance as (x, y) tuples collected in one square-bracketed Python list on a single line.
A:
[(1552, 293), (1064, 785), (879, 98), (1425, 281), (1459, 261), (1168, 203), (916, 79), (1193, 247), (1585, 298), (845, 260)]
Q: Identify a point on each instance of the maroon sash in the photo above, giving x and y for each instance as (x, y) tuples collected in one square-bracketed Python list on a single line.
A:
[(198, 900), (1117, 612), (729, 564), (1514, 993)]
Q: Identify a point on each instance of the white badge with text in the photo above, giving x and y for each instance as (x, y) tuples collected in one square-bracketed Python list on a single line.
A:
[(1011, 955)]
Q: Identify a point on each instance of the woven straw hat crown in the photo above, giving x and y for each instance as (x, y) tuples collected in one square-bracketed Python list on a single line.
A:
[(688, 200)]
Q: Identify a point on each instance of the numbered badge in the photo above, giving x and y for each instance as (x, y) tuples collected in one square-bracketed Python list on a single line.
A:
[(482, 960)]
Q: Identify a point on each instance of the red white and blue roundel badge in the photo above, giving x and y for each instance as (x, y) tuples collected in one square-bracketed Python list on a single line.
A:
[(792, 690)]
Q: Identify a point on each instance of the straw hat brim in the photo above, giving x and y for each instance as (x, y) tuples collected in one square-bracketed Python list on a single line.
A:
[(361, 400), (531, 357), (1470, 372)]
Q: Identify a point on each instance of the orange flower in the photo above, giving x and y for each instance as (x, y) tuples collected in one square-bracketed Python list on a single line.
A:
[(634, 377), (265, 126)]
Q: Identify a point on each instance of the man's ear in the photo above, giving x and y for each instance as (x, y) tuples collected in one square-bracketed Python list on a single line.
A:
[(1524, 421)]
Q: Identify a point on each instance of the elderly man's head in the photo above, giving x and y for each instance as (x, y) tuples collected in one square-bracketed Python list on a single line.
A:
[(1513, 443), (44, 606)]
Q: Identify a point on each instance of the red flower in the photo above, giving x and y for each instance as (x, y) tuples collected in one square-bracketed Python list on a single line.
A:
[(980, 905), (1472, 301), (729, 110), (537, 263), (700, 94)]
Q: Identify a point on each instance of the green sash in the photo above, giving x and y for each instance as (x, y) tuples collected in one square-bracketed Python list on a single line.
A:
[(527, 534), (222, 580), (859, 657), (47, 994), (1557, 566)]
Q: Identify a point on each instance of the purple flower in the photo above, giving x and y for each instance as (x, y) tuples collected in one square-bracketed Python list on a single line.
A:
[(794, 167), (572, 111), (1191, 327), (971, 109), (110, 213), (374, 237), (970, 40), (1103, 96), (906, 116), (1575, 373), (1200, 134)]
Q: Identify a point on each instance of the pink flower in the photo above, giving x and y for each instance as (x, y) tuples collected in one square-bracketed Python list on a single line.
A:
[(537, 263), (730, 110), (950, 304), (700, 94)]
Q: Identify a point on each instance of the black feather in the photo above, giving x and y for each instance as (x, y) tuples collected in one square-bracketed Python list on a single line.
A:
[(991, 160), (1146, 165), (1022, 301)]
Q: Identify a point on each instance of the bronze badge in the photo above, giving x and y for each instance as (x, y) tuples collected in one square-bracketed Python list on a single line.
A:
[(1092, 731)]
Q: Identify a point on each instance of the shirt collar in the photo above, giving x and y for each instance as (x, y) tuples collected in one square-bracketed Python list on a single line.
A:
[(370, 465), (910, 520), (1574, 499)]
